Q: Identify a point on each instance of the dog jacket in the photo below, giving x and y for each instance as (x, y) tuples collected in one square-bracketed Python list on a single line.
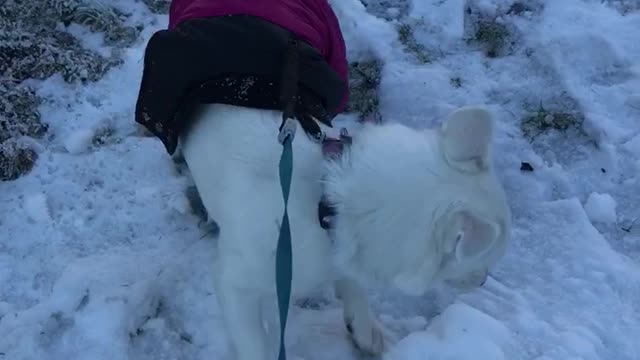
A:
[(233, 52)]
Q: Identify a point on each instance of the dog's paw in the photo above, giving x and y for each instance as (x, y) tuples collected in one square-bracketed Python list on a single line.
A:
[(367, 335)]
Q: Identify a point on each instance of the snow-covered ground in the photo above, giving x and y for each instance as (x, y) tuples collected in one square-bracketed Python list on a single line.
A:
[(100, 257)]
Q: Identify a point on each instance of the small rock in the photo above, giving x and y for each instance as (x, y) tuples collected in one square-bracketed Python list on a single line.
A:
[(525, 166)]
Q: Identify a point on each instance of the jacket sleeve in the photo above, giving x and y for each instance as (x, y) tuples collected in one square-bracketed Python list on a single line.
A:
[(175, 11)]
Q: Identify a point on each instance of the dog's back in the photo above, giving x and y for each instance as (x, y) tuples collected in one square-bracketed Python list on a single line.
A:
[(233, 155)]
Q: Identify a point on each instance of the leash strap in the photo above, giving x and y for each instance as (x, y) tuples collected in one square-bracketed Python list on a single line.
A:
[(284, 252), (284, 255)]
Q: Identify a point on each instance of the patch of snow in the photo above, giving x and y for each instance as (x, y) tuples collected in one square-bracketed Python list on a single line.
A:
[(445, 17), (393, 12), (37, 208), (459, 333), (633, 146), (634, 101), (364, 32), (601, 208), (89, 39), (79, 141)]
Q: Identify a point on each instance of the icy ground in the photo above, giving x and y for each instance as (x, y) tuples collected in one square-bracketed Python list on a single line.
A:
[(100, 258)]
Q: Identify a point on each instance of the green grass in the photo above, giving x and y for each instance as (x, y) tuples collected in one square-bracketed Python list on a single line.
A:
[(493, 36), (16, 159), (364, 79), (544, 120), (411, 45)]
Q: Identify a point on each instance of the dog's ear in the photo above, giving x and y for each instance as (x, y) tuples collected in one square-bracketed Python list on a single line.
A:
[(466, 135), (474, 237)]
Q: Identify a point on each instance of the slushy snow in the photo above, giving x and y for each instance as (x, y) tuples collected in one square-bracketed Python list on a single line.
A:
[(101, 258)]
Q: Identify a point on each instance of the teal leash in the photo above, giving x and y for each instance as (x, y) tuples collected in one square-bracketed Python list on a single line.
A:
[(284, 254)]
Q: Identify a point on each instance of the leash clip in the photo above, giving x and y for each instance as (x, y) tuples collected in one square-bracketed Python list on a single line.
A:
[(345, 137), (288, 129), (319, 137)]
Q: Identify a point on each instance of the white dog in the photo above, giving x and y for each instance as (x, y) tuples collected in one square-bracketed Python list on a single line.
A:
[(413, 207)]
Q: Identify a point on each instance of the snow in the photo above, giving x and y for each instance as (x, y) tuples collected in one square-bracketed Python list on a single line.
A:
[(37, 208), (79, 141), (633, 145), (601, 208), (101, 258), (460, 332)]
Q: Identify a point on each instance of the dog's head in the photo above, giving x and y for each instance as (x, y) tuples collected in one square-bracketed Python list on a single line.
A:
[(476, 229), (471, 243), (417, 206)]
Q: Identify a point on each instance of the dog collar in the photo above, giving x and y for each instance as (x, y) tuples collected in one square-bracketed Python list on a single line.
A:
[(332, 148)]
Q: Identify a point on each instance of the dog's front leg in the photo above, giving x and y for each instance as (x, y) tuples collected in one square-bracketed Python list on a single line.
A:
[(365, 331), (243, 319)]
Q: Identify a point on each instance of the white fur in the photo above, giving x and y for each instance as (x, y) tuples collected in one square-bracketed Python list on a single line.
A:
[(413, 207)]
